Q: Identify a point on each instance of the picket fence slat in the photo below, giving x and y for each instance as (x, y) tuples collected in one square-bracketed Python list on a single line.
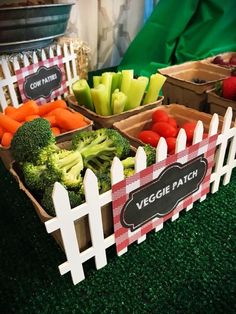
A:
[(9, 91), (226, 142)]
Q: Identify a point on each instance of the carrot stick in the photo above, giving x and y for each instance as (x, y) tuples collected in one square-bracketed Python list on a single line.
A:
[(32, 117), (9, 109), (51, 120), (68, 120), (6, 139), (46, 108), (9, 124), (28, 108), (1, 132), (55, 131)]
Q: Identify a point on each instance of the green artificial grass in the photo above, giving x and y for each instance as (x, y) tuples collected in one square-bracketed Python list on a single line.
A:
[(187, 267)]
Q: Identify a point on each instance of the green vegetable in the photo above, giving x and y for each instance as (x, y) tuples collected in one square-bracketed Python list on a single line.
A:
[(127, 76), (118, 102), (136, 92), (155, 84), (101, 147), (100, 100), (32, 139), (75, 200), (104, 182), (96, 80), (116, 81), (67, 166), (82, 94)]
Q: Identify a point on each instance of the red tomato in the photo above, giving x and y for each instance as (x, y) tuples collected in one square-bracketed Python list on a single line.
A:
[(173, 122), (149, 137), (171, 142), (159, 116), (164, 129), (189, 128)]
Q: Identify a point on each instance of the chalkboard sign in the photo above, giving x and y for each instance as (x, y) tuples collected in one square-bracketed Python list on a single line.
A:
[(160, 196), (43, 82)]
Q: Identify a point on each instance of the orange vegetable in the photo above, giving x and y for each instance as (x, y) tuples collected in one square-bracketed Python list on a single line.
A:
[(1, 132), (69, 120), (46, 108), (55, 131), (27, 109), (9, 109), (32, 117), (52, 120), (9, 124), (6, 139)]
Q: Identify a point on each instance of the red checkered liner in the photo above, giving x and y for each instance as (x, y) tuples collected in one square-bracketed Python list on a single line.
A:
[(121, 190), (22, 73)]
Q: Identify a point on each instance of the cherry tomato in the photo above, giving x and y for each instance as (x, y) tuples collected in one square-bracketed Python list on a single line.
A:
[(164, 129), (149, 137), (189, 128), (171, 142), (159, 116), (172, 122)]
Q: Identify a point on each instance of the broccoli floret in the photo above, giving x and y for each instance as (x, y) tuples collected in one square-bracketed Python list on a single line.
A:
[(150, 153), (101, 145), (104, 182), (128, 172), (30, 139), (33, 175), (37, 177), (68, 166), (75, 200)]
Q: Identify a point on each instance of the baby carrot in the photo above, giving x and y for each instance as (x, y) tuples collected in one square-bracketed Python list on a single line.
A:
[(1, 132), (68, 120), (9, 109), (9, 124), (46, 108), (52, 120), (55, 131), (6, 139), (28, 108), (32, 117)]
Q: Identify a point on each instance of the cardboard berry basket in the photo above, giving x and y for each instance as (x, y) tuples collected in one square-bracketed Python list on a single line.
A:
[(132, 126), (143, 202), (218, 104), (225, 57), (108, 121), (181, 87)]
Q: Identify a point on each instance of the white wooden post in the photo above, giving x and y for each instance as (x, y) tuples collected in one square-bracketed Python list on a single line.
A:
[(95, 218), (65, 223)]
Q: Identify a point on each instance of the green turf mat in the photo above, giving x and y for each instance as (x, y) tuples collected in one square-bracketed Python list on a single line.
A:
[(187, 267)]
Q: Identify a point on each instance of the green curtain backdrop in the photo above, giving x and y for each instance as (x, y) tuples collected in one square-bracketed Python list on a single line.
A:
[(179, 31)]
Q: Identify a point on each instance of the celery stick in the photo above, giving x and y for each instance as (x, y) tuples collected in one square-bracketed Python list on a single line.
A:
[(118, 101), (155, 84), (96, 80), (127, 76), (106, 80), (136, 92), (100, 100), (82, 93), (116, 81)]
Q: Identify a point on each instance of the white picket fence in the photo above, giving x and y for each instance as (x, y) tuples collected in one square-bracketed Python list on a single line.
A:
[(9, 92), (66, 216)]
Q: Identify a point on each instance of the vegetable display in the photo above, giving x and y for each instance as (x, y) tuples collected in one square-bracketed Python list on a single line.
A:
[(57, 113), (115, 92), (43, 162)]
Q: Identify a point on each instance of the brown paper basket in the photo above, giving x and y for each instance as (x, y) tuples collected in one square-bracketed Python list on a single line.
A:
[(218, 104)]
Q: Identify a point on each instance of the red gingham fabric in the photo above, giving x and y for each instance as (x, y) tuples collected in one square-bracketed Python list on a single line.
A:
[(32, 68), (121, 190)]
